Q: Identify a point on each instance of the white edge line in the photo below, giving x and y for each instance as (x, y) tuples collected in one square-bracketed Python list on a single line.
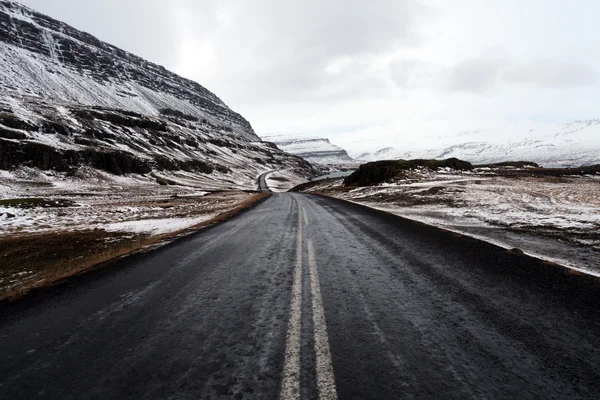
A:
[(324, 363)]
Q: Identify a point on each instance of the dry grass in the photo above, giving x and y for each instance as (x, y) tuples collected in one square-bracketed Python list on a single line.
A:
[(40, 260)]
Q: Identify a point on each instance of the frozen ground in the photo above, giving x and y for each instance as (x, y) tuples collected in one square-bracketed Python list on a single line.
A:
[(282, 181), (554, 218), (133, 203), (53, 225)]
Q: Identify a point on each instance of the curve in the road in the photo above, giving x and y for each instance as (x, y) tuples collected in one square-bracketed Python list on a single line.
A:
[(262, 181)]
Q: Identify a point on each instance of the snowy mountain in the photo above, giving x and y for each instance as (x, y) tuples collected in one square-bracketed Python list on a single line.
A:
[(313, 150), (68, 100), (569, 145)]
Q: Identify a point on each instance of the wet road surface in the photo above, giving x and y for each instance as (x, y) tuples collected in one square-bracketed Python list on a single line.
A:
[(309, 297)]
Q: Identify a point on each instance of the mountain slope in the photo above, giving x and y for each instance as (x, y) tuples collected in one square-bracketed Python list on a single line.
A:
[(68, 100), (568, 145), (313, 150)]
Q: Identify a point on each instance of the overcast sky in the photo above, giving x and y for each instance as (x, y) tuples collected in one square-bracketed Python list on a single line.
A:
[(365, 73)]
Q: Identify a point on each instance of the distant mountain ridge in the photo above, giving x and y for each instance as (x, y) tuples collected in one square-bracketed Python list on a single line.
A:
[(68, 100), (313, 150), (569, 145)]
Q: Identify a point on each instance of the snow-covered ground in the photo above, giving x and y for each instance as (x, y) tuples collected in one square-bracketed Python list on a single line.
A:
[(335, 174), (53, 225), (99, 200), (282, 181), (554, 218), (157, 226)]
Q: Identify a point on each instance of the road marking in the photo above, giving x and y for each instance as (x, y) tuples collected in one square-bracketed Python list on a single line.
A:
[(304, 214), (290, 385), (325, 376)]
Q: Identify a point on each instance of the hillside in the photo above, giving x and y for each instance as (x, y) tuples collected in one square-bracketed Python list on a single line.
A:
[(70, 101)]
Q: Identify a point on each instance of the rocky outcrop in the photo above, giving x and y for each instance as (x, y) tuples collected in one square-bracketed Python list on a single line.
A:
[(123, 142), (37, 155), (380, 171)]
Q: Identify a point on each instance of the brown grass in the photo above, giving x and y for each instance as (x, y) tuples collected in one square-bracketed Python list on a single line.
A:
[(574, 272), (41, 260)]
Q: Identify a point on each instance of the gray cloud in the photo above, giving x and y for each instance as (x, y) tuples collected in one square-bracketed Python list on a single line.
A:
[(496, 73), (491, 74), (287, 46), (552, 74), (476, 75), (416, 74), (145, 28)]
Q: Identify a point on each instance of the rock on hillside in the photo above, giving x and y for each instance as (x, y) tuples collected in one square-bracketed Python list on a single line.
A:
[(379, 171)]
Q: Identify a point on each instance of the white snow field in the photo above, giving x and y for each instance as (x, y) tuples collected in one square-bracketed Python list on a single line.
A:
[(551, 145), (103, 201)]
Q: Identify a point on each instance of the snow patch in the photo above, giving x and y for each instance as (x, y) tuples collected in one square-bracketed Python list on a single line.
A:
[(157, 226)]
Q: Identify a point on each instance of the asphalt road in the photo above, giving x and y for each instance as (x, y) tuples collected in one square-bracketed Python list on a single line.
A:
[(308, 297), (262, 182)]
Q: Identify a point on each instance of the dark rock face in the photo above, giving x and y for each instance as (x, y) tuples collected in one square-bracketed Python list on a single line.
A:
[(44, 157), (37, 155), (372, 173), (96, 138)]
